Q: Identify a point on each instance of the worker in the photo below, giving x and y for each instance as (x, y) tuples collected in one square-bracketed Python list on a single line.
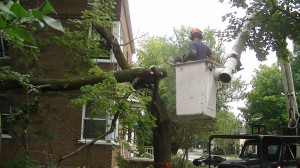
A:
[(198, 50)]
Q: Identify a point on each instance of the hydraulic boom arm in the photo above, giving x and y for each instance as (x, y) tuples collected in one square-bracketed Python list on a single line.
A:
[(233, 65)]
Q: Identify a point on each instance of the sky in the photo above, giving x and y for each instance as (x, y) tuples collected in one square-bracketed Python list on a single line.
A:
[(159, 17)]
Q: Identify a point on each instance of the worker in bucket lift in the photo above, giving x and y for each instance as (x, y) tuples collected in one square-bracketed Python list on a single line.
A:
[(198, 50)]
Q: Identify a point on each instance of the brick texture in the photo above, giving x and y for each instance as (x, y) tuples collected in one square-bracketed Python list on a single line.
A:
[(53, 130)]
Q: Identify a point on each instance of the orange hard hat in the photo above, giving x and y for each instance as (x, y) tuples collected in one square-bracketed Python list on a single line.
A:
[(196, 30)]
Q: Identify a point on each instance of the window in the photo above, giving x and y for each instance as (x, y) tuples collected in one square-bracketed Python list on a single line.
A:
[(272, 149), (118, 33), (250, 151), (5, 108), (3, 47), (95, 125), (290, 152)]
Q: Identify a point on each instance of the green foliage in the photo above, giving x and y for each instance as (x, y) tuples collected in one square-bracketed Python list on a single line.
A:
[(178, 162), (18, 27), (295, 64), (26, 108), (157, 50), (121, 99), (226, 124), (24, 162), (15, 20), (229, 92), (265, 103), (274, 22), (84, 42), (7, 74)]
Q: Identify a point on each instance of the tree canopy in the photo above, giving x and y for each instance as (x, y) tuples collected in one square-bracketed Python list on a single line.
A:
[(157, 51), (265, 103), (274, 21)]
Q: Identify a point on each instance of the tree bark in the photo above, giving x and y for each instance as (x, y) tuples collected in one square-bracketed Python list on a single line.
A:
[(109, 37), (161, 133), (146, 76)]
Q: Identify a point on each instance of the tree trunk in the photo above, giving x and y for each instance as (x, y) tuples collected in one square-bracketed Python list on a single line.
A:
[(158, 108), (161, 134)]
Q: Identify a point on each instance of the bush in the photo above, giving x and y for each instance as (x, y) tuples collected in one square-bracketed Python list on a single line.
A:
[(178, 162), (24, 162)]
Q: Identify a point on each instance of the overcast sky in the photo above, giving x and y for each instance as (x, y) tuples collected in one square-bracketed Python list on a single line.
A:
[(159, 17)]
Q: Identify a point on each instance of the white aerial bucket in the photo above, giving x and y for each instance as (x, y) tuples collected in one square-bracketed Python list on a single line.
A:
[(196, 89)]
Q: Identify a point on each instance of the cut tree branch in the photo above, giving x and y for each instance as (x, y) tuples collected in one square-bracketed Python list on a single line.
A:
[(109, 37), (112, 128), (146, 76)]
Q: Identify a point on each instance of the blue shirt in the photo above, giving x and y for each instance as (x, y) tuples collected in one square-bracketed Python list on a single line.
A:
[(202, 50)]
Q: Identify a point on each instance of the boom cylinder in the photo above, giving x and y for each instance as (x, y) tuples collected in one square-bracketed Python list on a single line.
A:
[(232, 62)]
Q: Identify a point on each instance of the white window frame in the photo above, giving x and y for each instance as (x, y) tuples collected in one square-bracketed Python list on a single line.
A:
[(132, 137), (119, 35), (4, 50), (5, 114), (108, 140)]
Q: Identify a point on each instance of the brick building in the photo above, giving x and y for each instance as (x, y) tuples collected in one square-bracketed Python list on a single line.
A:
[(57, 128)]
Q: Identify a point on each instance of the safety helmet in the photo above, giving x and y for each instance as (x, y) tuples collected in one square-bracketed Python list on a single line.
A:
[(196, 30), (196, 33)]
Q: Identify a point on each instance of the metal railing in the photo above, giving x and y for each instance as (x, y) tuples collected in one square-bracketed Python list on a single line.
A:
[(149, 153)]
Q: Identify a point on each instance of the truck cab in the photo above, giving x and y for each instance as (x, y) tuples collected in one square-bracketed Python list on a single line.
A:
[(264, 151)]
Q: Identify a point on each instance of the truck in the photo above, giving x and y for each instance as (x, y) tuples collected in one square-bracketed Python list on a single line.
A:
[(259, 150), (264, 151)]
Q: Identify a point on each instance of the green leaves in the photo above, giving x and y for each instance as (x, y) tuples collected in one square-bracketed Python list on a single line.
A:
[(5, 11), (266, 100), (120, 99), (20, 33), (46, 8), (19, 11), (55, 24), (273, 23), (18, 23)]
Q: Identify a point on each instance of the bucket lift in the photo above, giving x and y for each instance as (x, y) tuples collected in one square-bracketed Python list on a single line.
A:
[(196, 82), (196, 89)]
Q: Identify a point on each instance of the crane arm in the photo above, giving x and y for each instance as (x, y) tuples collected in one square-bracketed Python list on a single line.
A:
[(233, 65), (290, 95)]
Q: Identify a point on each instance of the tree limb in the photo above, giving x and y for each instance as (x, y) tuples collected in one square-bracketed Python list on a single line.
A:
[(112, 128), (109, 37), (146, 76), (275, 6)]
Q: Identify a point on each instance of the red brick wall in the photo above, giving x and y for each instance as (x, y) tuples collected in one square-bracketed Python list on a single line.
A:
[(56, 128), (65, 7)]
